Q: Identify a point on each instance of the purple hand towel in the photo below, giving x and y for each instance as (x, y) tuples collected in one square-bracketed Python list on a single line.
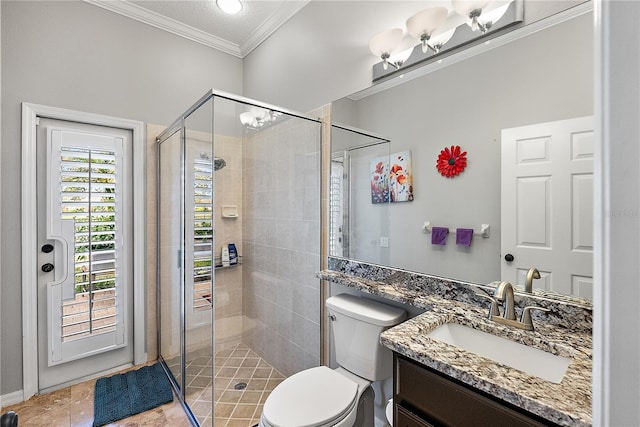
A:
[(439, 235), (463, 236)]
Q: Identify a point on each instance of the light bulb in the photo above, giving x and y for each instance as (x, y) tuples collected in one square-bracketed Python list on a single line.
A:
[(230, 7)]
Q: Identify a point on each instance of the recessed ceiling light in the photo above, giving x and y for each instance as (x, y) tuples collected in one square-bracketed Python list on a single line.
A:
[(230, 6)]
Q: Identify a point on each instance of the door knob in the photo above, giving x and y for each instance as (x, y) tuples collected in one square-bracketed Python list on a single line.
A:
[(509, 257), (47, 248), (48, 267)]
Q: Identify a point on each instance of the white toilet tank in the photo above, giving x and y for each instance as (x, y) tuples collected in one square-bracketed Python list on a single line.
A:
[(357, 324)]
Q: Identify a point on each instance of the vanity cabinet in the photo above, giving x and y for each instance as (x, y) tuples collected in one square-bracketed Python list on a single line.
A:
[(425, 397)]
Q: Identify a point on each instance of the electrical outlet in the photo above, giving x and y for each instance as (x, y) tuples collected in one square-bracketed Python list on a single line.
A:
[(384, 242)]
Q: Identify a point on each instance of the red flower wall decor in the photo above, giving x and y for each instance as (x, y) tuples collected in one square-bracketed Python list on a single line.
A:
[(451, 161)]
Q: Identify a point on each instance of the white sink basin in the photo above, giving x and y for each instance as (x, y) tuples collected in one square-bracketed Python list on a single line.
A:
[(531, 360)]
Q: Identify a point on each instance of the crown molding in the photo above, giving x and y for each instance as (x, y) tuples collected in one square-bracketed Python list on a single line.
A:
[(140, 14), (260, 34), (268, 27)]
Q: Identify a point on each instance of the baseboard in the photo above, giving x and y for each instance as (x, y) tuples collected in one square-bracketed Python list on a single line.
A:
[(11, 398)]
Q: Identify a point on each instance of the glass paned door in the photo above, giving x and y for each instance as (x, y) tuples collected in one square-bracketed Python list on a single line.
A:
[(84, 229)]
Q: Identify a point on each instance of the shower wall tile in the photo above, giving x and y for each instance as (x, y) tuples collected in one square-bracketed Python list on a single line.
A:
[(283, 202), (283, 262), (270, 234), (229, 293), (312, 235), (284, 235)]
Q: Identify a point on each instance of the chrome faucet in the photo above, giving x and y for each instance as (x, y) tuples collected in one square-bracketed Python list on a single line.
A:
[(504, 295), (533, 273)]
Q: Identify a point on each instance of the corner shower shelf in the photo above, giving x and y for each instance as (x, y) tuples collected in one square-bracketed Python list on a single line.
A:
[(219, 265)]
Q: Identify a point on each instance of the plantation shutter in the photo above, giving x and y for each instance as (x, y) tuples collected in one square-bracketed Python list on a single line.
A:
[(202, 232)]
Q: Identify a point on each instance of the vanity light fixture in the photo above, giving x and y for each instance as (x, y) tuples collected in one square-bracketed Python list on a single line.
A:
[(486, 19), (230, 7), (440, 29), (472, 9), (384, 43), (423, 24)]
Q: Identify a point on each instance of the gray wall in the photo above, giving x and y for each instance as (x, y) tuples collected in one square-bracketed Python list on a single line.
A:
[(544, 77), (77, 56)]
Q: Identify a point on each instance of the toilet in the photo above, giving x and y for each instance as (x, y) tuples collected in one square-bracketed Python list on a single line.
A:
[(320, 396)]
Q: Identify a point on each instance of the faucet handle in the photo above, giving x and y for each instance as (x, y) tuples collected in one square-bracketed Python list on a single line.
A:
[(494, 310), (526, 316)]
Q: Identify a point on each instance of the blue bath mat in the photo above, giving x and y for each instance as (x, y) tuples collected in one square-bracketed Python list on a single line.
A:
[(123, 395)]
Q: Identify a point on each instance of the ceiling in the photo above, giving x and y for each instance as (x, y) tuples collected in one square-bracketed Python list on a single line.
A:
[(202, 21)]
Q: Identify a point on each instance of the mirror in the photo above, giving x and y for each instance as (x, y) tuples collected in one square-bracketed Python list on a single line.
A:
[(359, 206), (543, 77)]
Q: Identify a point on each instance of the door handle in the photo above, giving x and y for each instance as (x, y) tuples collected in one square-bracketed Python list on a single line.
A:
[(509, 257), (47, 268)]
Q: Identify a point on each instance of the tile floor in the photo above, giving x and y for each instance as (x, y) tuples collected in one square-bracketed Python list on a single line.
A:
[(73, 406), (240, 408)]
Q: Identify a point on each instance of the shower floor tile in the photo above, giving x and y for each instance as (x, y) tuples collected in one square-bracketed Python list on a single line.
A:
[(241, 384)]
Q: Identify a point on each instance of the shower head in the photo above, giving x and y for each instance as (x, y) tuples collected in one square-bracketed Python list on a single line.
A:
[(218, 163)]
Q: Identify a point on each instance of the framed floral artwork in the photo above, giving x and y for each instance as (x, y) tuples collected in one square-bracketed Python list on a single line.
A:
[(380, 180), (392, 178), (401, 177)]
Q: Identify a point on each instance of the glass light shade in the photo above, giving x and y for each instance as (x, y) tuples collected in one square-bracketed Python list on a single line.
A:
[(259, 114), (427, 21), (442, 38), (465, 7), (385, 42), (230, 7), (247, 118), (494, 15)]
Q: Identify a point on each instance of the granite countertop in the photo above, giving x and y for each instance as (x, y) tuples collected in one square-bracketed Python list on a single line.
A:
[(566, 403)]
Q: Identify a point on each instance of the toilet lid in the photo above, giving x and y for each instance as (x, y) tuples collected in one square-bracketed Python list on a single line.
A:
[(311, 398)]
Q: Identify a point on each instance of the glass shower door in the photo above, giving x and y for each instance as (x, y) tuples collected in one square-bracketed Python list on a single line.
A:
[(170, 238), (198, 262)]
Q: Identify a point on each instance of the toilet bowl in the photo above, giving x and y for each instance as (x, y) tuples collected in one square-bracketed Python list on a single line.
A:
[(323, 397), (315, 397), (389, 412)]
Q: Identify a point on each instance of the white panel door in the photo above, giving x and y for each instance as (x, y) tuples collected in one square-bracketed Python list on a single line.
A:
[(547, 205), (85, 287)]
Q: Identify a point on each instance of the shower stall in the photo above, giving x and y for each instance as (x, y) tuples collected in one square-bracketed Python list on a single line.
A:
[(236, 171)]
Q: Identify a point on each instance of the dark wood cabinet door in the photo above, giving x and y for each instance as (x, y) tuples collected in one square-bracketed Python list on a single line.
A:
[(441, 401)]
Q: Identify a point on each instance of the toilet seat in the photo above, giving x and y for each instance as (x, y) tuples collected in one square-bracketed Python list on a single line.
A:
[(312, 398)]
